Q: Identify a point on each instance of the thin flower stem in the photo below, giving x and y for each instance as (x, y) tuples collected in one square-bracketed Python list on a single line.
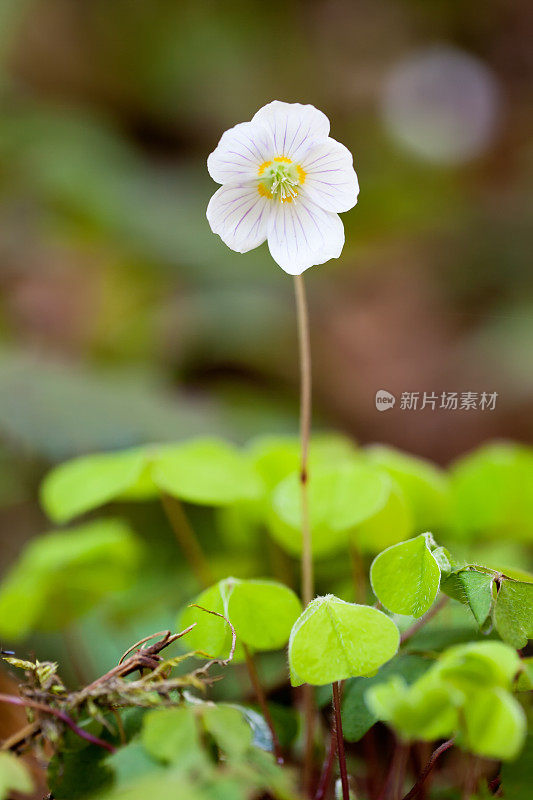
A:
[(305, 432), (187, 539), (415, 791), (308, 590), (406, 635), (341, 755), (62, 715), (261, 699)]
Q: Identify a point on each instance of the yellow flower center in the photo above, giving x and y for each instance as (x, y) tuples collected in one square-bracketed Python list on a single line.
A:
[(280, 179)]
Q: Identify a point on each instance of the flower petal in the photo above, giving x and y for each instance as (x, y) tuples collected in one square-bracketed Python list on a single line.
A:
[(239, 214), (302, 234), (330, 177), (240, 152), (294, 127)]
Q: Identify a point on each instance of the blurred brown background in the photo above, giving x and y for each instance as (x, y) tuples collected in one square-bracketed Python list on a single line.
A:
[(124, 319)]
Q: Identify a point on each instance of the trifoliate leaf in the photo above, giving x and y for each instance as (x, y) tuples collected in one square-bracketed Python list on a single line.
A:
[(60, 576), (472, 588), (333, 640), (14, 777), (78, 486), (426, 710), (212, 634), (202, 471), (406, 577), (340, 498), (262, 613), (494, 724), (208, 472), (513, 612), (465, 694), (425, 486)]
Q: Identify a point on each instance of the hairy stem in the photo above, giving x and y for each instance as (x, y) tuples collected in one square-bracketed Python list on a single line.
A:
[(187, 539), (406, 635), (415, 791), (261, 699), (62, 715), (341, 755), (308, 591)]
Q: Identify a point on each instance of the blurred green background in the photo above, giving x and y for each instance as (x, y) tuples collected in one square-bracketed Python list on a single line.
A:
[(124, 320)]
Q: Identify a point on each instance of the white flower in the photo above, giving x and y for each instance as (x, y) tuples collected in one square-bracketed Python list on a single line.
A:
[(283, 179)]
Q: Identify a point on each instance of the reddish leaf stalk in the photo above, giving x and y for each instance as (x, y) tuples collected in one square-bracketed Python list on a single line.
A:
[(415, 791), (341, 755), (62, 715)]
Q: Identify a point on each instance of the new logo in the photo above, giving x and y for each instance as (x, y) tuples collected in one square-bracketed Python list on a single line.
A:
[(384, 400)]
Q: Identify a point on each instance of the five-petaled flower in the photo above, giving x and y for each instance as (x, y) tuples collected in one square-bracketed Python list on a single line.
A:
[(283, 179)]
